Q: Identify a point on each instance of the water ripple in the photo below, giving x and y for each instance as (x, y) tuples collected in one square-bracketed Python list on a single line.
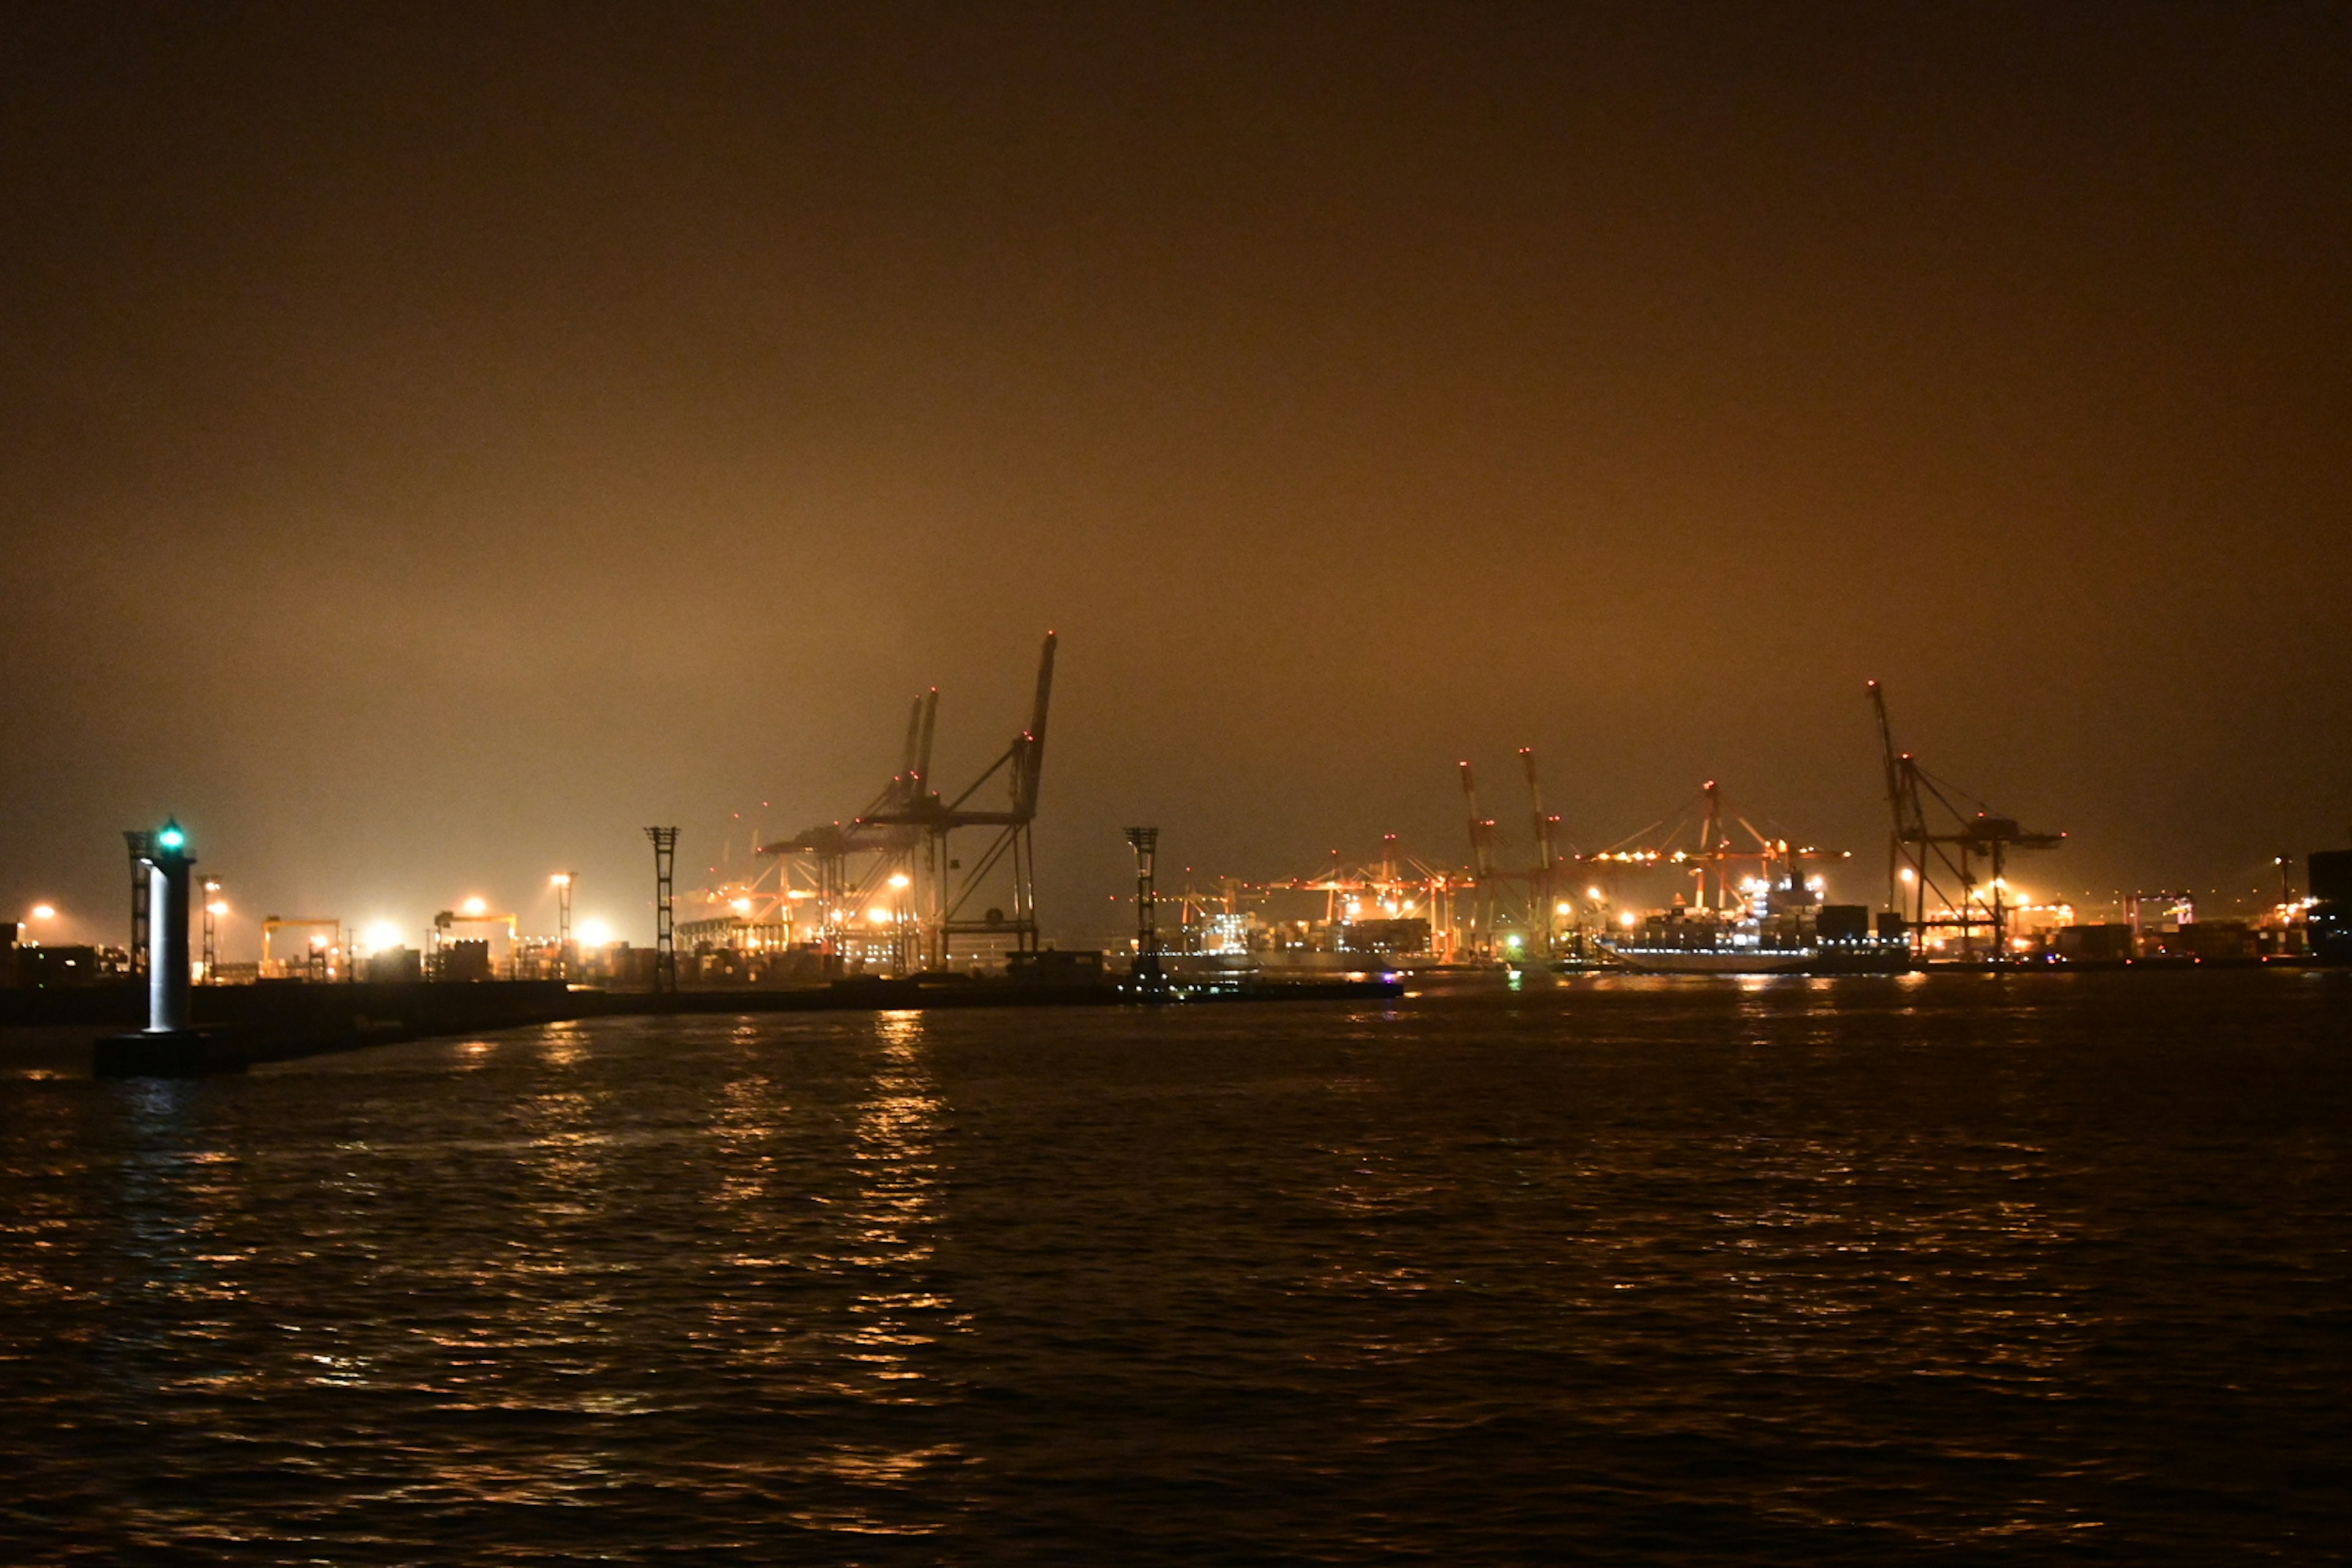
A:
[(1792, 1272)]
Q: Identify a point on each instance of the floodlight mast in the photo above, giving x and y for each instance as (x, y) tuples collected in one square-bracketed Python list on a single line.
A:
[(1145, 975), (665, 843), (565, 882)]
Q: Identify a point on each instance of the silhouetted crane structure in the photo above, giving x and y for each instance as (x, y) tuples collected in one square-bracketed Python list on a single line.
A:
[(1941, 859), (910, 831), (1482, 868)]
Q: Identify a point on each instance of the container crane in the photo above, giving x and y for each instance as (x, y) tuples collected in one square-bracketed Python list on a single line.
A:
[(1945, 862)]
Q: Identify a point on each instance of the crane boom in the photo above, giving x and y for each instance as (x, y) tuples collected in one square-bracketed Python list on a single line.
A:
[(1535, 805), (1482, 858), (1892, 767), (904, 781), (921, 783), (1034, 760)]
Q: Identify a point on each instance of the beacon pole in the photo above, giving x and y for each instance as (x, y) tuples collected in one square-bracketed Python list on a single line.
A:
[(169, 1047), (167, 931)]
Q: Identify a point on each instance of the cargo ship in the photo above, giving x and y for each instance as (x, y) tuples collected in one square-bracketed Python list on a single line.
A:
[(1779, 926)]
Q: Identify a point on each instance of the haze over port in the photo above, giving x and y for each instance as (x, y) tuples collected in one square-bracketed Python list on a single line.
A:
[(436, 446)]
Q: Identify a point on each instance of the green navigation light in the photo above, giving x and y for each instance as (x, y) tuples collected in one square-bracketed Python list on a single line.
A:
[(172, 838)]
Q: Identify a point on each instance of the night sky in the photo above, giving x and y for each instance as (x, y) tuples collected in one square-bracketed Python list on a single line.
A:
[(435, 442)]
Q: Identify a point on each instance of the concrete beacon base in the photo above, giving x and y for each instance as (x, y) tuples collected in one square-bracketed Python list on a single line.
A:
[(165, 1053)]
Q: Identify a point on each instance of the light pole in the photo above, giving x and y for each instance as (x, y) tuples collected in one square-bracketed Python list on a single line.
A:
[(215, 907), (665, 843), (1145, 975), (901, 954), (563, 882)]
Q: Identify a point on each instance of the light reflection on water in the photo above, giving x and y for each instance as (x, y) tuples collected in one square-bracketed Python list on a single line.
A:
[(1791, 1272)]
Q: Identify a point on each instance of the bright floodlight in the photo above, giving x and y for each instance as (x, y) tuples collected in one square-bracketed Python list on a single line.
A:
[(382, 935), (560, 879), (45, 912), (900, 879), (595, 933), (217, 906), (475, 907), (741, 905)]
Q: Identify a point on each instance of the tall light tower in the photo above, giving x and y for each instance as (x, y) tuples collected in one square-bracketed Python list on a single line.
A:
[(1146, 976), (214, 908), (563, 882), (665, 843)]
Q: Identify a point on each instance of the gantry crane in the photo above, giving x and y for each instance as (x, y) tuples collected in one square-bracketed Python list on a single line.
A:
[(1945, 862), (912, 804)]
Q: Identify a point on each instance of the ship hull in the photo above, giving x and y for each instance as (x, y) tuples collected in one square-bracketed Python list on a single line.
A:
[(1716, 960), (1834, 959)]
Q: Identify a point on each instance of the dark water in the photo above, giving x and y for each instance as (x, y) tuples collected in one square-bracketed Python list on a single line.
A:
[(2040, 1271)]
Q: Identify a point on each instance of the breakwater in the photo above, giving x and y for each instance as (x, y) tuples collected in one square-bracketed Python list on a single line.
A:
[(243, 1025)]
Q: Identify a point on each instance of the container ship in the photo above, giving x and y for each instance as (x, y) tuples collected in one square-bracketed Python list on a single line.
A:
[(1778, 925)]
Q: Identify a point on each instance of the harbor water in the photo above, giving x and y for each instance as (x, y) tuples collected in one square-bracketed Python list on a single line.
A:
[(1955, 1268)]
